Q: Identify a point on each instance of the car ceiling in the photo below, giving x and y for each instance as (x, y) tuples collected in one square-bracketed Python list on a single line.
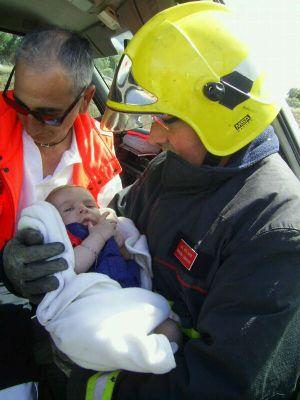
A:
[(22, 16)]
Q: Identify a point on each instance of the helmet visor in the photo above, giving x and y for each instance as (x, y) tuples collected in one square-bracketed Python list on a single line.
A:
[(125, 90), (115, 121)]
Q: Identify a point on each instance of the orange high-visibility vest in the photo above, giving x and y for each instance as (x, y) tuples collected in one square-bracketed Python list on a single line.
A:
[(99, 163)]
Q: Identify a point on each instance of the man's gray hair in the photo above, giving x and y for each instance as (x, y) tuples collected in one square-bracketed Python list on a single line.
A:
[(45, 48)]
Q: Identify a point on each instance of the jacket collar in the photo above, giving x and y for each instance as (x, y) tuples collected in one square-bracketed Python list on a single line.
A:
[(178, 173)]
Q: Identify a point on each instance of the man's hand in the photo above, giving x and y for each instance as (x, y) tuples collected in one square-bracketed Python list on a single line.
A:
[(170, 329), (26, 266)]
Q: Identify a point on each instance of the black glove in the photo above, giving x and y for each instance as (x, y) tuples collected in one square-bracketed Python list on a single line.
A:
[(26, 266)]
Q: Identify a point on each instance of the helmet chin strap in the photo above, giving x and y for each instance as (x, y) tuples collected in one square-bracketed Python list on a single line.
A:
[(47, 145)]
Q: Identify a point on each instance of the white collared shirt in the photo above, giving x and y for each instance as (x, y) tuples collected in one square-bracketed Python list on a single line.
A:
[(35, 187)]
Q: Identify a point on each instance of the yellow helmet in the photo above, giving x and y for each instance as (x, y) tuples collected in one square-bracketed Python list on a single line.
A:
[(187, 62)]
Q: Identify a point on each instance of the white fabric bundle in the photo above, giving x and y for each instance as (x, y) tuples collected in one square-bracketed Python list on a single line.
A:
[(94, 321)]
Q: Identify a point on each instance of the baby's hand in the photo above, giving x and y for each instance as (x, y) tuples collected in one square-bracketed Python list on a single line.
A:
[(111, 213), (105, 227), (125, 253), (119, 238)]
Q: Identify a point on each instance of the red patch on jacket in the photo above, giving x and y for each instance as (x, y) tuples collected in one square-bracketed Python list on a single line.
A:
[(185, 254)]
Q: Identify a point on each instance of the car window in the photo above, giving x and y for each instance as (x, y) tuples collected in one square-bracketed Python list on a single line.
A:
[(277, 32), (293, 100), (106, 67), (8, 45)]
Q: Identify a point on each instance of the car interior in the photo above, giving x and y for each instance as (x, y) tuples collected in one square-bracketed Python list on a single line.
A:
[(107, 24)]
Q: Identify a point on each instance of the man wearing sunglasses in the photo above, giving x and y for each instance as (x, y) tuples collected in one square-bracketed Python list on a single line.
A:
[(47, 138)]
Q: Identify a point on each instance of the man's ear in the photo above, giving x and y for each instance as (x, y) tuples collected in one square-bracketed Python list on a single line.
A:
[(88, 95)]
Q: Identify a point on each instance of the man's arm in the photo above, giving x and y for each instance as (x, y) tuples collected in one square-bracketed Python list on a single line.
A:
[(249, 326)]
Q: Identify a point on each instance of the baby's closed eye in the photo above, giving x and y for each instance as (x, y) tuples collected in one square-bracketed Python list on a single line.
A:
[(68, 209)]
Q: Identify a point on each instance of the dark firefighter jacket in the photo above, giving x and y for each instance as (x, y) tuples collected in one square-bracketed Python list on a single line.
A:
[(225, 243)]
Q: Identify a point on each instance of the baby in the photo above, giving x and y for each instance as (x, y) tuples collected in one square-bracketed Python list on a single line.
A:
[(98, 244)]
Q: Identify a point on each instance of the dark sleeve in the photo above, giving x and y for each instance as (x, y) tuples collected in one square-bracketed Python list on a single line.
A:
[(17, 363), (5, 285), (250, 325), (119, 201), (130, 202), (135, 201)]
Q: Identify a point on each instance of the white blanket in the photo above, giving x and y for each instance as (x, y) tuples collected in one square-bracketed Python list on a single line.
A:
[(94, 321)]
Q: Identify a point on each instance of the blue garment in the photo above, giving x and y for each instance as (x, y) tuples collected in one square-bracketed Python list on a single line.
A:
[(110, 261)]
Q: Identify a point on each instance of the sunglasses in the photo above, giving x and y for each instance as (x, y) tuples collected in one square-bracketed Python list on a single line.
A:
[(12, 100)]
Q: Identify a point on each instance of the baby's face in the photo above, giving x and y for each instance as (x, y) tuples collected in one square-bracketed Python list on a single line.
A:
[(76, 204)]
